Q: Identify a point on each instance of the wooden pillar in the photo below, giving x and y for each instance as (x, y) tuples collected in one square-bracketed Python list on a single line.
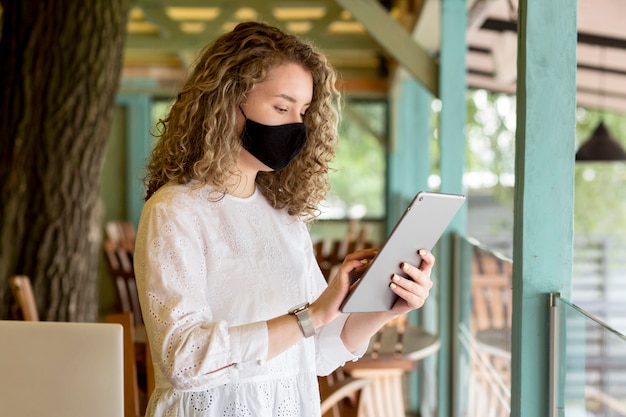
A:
[(138, 146), (409, 162), (452, 88), (410, 165), (544, 177)]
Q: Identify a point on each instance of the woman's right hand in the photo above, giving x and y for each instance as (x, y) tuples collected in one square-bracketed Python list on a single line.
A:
[(326, 308)]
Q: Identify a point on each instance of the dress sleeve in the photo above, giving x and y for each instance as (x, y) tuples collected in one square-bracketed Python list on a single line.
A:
[(332, 353), (192, 350)]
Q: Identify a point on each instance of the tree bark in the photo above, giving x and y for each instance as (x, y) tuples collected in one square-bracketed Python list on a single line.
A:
[(61, 63)]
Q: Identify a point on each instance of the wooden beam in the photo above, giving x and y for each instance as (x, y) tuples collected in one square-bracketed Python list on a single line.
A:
[(452, 120), (364, 123), (326, 42), (544, 192), (155, 14), (376, 86), (396, 41)]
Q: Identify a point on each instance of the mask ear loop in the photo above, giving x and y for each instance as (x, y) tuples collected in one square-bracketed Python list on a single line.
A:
[(245, 119), (244, 132)]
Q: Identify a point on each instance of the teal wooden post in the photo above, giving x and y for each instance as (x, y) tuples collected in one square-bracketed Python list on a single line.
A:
[(138, 146), (409, 162), (419, 130), (452, 122), (544, 177)]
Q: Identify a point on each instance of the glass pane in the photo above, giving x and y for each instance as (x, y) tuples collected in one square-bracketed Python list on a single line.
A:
[(599, 273), (592, 364), (484, 332)]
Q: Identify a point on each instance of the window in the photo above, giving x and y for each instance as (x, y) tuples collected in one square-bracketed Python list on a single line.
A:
[(357, 174)]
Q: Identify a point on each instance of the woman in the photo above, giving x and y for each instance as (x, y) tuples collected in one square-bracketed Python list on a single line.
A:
[(238, 315)]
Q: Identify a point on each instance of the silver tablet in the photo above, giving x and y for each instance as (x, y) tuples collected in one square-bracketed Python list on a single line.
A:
[(420, 227)]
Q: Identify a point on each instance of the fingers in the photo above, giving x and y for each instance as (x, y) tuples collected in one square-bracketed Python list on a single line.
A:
[(362, 254), (428, 259), (350, 265), (415, 289), (413, 293), (423, 271), (354, 264), (408, 286)]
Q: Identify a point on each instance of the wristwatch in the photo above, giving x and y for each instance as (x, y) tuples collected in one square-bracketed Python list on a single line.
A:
[(304, 319)]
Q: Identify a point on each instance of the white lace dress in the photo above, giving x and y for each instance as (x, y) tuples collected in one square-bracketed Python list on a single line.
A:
[(209, 274)]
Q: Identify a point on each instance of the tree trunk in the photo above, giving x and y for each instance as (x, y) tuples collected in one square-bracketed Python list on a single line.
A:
[(61, 62)]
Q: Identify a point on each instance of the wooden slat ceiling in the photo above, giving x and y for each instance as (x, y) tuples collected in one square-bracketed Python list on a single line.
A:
[(601, 50), (165, 36)]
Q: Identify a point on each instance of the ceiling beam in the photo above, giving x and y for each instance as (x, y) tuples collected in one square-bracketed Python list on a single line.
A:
[(586, 38), (155, 14), (326, 42), (364, 123), (396, 41), (478, 13)]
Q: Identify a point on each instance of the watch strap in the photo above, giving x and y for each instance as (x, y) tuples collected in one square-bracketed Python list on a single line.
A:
[(304, 319)]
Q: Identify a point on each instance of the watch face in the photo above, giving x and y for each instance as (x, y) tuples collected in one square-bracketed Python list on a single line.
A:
[(304, 320), (299, 308)]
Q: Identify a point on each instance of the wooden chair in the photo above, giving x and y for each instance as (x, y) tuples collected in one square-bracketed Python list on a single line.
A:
[(131, 382), (490, 338), (119, 246), (392, 351), (122, 233), (329, 259), (150, 381), (23, 293), (492, 299), (341, 394), (489, 380)]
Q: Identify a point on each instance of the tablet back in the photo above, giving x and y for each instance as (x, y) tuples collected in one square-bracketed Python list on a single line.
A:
[(58, 369), (420, 227)]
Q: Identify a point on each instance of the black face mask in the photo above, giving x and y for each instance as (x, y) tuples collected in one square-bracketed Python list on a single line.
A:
[(275, 146)]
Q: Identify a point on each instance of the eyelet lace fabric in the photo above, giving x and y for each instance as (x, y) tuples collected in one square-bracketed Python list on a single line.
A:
[(209, 275)]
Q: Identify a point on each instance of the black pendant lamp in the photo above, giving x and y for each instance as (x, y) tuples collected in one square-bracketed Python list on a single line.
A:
[(601, 147)]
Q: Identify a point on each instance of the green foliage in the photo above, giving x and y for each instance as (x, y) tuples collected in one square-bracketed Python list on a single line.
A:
[(600, 198), (600, 188), (358, 176), (491, 137)]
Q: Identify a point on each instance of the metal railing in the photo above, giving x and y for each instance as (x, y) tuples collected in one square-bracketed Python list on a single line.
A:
[(588, 357)]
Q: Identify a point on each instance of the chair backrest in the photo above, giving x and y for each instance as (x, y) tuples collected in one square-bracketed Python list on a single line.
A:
[(23, 293), (492, 298), (131, 382), (341, 394), (118, 248), (330, 258), (122, 233)]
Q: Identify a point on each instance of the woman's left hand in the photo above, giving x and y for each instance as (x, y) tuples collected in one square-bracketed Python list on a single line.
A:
[(413, 291)]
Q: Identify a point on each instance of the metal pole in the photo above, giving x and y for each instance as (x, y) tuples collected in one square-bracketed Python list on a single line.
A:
[(555, 356)]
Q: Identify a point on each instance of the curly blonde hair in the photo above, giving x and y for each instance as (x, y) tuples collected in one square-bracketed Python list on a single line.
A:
[(198, 138)]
